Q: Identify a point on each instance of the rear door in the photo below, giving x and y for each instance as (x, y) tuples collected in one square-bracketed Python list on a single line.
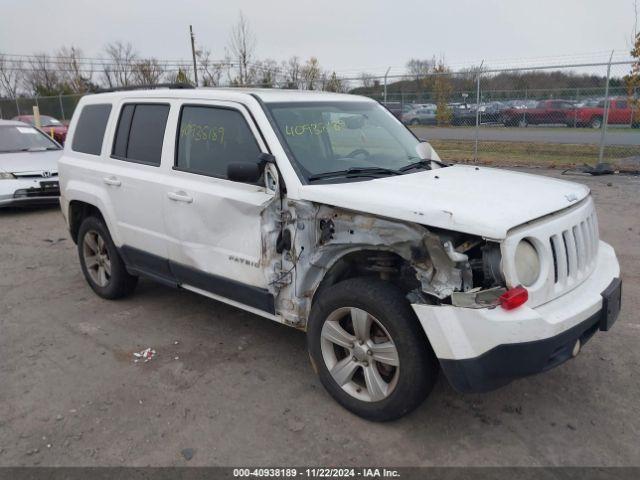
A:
[(135, 183), (619, 113), (214, 224)]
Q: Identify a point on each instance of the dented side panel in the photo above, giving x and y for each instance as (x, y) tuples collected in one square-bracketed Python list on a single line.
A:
[(322, 235)]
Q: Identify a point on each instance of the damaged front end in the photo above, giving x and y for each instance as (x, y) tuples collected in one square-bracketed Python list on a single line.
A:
[(311, 247)]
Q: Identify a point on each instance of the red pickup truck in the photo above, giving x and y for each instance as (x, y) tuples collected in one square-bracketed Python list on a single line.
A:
[(620, 113), (545, 112)]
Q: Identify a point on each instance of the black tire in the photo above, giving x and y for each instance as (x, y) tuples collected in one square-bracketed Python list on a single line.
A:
[(120, 282), (596, 123), (415, 121), (418, 366)]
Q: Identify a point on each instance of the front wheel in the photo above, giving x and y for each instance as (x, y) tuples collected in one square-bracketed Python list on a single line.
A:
[(596, 123), (369, 349)]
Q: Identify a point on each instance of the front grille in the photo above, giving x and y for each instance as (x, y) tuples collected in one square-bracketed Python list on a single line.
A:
[(567, 242), (574, 250), (37, 192)]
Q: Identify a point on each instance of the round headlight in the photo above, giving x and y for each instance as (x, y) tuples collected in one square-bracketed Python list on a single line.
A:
[(527, 263)]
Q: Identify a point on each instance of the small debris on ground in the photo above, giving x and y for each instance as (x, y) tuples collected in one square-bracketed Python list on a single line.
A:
[(187, 453), (144, 355)]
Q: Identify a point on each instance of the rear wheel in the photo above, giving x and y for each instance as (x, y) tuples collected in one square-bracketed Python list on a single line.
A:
[(101, 263), (369, 349), (415, 121), (522, 123), (596, 122)]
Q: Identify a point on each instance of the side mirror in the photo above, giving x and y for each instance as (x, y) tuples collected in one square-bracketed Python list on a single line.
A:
[(245, 172), (426, 152)]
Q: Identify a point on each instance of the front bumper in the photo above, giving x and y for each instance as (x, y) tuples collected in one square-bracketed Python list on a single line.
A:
[(29, 191), (482, 349)]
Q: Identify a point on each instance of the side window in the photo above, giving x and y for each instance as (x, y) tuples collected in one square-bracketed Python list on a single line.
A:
[(140, 133), (90, 129), (210, 138)]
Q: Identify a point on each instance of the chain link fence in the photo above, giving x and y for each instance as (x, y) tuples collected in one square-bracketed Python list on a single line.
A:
[(558, 116)]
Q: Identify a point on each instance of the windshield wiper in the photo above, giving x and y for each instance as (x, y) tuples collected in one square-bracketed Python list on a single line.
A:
[(420, 163), (356, 172)]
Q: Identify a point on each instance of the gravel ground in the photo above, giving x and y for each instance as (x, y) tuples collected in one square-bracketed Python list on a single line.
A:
[(230, 388)]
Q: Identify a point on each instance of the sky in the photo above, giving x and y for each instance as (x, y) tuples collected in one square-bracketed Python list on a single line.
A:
[(348, 36)]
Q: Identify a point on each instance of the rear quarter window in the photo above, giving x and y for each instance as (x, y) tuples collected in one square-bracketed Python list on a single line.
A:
[(140, 133), (90, 128)]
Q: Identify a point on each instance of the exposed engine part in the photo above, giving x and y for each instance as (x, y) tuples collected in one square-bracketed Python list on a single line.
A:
[(327, 229), (453, 254), (283, 243), (382, 263), (478, 298), (492, 265)]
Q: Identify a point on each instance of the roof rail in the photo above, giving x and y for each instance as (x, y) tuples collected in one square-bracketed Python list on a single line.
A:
[(146, 87)]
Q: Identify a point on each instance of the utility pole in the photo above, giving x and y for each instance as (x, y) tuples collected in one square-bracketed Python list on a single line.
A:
[(193, 53), (605, 120), (475, 144)]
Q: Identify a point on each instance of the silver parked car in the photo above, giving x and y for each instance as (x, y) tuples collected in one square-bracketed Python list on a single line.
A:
[(28, 165), (421, 116)]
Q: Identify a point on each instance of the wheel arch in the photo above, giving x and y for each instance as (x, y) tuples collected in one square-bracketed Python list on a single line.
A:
[(82, 204)]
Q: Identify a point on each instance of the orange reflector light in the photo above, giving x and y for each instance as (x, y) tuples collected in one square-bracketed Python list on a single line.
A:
[(514, 297)]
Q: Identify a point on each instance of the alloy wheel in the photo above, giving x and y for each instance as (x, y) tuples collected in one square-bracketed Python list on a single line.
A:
[(360, 354), (96, 258)]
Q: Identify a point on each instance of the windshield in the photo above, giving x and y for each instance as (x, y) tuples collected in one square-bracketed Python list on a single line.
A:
[(337, 136), (16, 139), (47, 121)]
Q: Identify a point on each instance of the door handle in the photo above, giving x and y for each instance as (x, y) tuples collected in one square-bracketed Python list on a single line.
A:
[(180, 197), (112, 181)]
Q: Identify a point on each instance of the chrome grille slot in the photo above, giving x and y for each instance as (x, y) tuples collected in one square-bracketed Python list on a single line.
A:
[(574, 250)]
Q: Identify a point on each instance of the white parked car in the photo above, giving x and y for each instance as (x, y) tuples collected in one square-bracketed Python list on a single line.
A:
[(28, 165), (323, 212)]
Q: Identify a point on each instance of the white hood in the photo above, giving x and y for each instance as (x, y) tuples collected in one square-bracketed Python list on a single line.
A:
[(477, 200), (20, 162)]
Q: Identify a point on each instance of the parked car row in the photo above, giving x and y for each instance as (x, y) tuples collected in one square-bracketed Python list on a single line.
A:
[(49, 125), (521, 113)]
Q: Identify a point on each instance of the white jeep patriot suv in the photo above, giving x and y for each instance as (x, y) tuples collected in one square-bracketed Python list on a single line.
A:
[(323, 212)]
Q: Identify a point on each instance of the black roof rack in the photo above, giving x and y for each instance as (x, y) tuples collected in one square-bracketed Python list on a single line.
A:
[(146, 87)]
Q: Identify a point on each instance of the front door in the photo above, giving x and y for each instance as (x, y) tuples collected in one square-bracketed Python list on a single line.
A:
[(213, 224)]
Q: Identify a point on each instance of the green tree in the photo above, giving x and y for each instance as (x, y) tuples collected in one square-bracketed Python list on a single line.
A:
[(443, 90), (633, 81)]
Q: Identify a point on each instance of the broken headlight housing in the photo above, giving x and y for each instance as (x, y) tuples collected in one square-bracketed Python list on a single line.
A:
[(527, 263)]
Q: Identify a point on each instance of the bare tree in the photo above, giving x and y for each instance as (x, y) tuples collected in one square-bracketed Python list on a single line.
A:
[(265, 73), (119, 65), (419, 69), (211, 71), (242, 44), (11, 76), (73, 69), (42, 76), (367, 80), (147, 71), (291, 71), (310, 74)]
